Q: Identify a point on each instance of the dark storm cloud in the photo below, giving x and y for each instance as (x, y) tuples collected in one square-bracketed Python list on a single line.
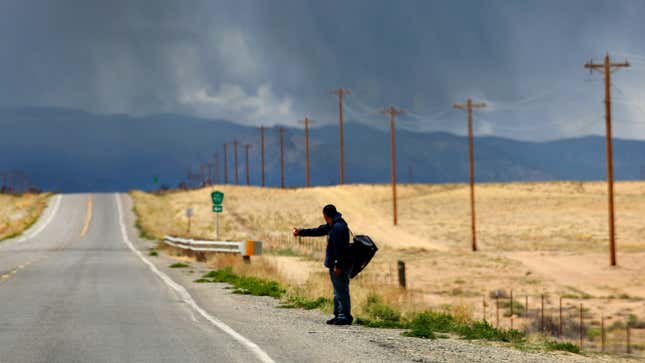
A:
[(275, 61)]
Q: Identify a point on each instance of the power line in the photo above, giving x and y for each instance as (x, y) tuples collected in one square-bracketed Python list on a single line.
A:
[(216, 157), (262, 151), (248, 178), (341, 92), (631, 103), (225, 165), (237, 174), (606, 68), (281, 130), (469, 106), (306, 122), (393, 112), (210, 178)]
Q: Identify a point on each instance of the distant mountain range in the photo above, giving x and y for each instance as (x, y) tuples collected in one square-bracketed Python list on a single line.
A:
[(75, 151)]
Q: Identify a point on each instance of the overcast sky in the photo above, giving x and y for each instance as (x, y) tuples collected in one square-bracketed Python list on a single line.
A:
[(272, 62)]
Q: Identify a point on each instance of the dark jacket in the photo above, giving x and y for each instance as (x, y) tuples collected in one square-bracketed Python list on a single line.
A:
[(337, 254)]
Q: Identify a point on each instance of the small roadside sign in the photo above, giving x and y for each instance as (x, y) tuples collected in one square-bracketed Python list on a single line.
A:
[(189, 212), (217, 197)]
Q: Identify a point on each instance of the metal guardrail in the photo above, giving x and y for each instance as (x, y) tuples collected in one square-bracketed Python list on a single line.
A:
[(244, 248)]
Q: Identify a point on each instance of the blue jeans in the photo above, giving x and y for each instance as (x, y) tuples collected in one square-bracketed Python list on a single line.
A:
[(342, 304)]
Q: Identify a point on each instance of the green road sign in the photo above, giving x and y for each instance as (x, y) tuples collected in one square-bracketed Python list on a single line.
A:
[(217, 197), (218, 209)]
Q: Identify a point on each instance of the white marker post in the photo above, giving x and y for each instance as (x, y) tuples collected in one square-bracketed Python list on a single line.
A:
[(189, 214)]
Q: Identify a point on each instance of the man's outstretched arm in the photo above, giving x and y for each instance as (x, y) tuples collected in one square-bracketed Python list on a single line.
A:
[(322, 230)]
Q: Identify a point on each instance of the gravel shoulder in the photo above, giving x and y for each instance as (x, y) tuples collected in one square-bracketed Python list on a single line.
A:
[(295, 335)]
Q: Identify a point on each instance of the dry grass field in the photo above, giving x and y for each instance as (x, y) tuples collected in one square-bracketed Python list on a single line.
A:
[(18, 212), (535, 239)]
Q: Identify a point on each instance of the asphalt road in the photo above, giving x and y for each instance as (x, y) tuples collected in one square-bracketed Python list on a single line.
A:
[(79, 287), (76, 292)]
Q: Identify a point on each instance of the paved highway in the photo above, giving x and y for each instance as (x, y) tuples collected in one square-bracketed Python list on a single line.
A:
[(72, 290), (76, 288)]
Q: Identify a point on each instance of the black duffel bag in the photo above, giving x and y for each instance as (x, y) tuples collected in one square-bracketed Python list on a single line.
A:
[(361, 252)]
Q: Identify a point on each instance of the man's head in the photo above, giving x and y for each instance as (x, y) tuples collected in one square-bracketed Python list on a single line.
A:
[(329, 212)]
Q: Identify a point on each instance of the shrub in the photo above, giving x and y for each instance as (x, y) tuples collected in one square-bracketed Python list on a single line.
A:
[(179, 265), (304, 303), (426, 323), (378, 310), (379, 314), (483, 330), (245, 285), (563, 346), (518, 308)]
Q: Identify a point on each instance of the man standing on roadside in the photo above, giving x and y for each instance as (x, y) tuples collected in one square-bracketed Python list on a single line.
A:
[(336, 260)]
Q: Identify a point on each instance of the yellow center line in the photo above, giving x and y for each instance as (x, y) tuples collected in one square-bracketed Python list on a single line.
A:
[(88, 215), (15, 270)]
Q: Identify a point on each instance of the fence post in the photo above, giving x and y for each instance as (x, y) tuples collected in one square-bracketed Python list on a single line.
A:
[(484, 306), (511, 309), (401, 266), (497, 310), (527, 326), (542, 312), (629, 347), (560, 320), (581, 326), (602, 332)]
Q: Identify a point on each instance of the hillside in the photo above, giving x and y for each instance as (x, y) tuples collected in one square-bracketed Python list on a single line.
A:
[(72, 151)]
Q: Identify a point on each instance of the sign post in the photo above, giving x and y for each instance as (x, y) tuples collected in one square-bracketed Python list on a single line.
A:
[(217, 197), (189, 214)]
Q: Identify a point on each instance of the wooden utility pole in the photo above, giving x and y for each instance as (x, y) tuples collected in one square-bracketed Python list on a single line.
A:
[(307, 121), (340, 93), (202, 172), (282, 157), (248, 178), (225, 166), (468, 106), (210, 173), (237, 174), (262, 151), (392, 111), (606, 68), (216, 176)]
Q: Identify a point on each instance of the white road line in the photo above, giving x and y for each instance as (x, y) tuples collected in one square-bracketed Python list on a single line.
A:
[(183, 293), (37, 231), (33, 233)]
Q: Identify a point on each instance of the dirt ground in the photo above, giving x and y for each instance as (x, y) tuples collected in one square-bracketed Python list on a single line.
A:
[(534, 238), (18, 212)]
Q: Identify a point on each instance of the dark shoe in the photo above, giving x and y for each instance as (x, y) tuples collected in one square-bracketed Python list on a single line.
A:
[(343, 322), (332, 321)]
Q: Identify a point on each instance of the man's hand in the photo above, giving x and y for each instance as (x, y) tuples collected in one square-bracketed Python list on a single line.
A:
[(296, 232), (337, 271)]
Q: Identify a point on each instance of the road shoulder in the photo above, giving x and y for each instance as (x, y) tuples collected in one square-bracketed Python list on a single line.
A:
[(301, 335)]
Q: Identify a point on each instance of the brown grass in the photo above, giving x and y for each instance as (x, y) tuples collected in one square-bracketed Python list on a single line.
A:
[(19, 212), (534, 238)]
